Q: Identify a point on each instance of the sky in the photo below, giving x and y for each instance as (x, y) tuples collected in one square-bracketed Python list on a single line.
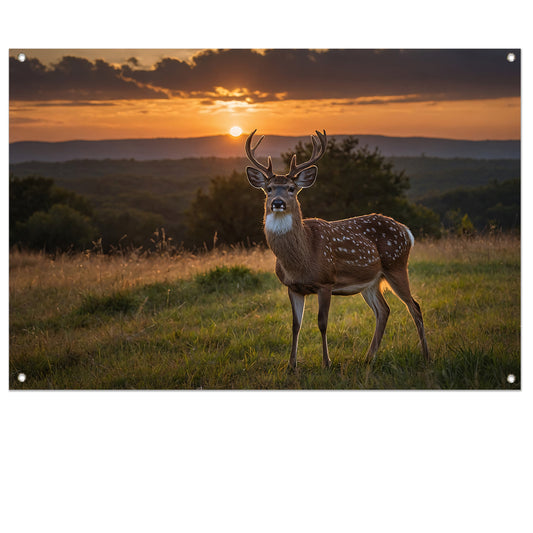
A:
[(60, 94)]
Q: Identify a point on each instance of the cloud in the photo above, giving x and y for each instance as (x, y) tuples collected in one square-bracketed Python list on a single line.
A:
[(73, 79), (361, 77), (421, 75), (23, 120), (76, 103)]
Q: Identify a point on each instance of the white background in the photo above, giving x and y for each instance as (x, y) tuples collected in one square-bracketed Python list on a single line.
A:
[(267, 461)]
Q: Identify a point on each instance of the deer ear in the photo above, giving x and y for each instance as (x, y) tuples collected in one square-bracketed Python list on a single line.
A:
[(256, 178), (306, 177)]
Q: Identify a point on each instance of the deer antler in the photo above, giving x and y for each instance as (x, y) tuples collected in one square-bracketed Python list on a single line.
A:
[(319, 148), (250, 153)]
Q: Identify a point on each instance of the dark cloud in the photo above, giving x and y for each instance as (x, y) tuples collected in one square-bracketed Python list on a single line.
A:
[(75, 103), (22, 120), (73, 79), (412, 75), (373, 76)]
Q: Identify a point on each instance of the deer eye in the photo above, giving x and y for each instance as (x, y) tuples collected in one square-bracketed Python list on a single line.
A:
[(291, 189), (269, 189)]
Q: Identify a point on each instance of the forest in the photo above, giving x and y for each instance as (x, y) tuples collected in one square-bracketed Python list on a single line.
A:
[(196, 202)]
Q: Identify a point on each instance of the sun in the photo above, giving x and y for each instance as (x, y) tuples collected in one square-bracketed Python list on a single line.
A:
[(235, 131)]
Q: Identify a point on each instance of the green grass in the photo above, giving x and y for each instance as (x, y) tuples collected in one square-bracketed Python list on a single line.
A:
[(223, 321)]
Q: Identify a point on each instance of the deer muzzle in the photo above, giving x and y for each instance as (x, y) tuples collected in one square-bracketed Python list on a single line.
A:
[(278, 205)]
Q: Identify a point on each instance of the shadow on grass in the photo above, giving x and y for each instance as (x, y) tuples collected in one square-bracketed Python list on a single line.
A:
[(462, 369), (155, 297), (168, 367)]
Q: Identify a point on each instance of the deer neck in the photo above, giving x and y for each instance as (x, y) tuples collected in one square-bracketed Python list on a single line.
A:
[(287, 238)]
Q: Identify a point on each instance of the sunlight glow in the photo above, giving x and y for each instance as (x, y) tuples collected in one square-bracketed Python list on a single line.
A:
[(180, 117), (235, 131)]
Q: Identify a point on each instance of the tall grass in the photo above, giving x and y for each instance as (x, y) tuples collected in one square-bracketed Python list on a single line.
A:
[(221, 320)]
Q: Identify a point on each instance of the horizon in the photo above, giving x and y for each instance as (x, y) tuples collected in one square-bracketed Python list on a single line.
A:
[(60, 95), (267, 134)]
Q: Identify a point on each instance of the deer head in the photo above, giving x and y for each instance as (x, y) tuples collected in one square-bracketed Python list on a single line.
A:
[(281, 190)]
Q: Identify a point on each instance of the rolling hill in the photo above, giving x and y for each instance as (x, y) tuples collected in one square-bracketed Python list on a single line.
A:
[(227, 146)]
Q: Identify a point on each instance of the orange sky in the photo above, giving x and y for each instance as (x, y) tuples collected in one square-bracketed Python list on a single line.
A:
[(217, 110), (477, 120)]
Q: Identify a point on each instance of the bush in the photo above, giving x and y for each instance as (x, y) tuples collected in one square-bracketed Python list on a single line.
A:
[(31, 195), (61, 228), (127, 227), (422, 221), (228, 279)]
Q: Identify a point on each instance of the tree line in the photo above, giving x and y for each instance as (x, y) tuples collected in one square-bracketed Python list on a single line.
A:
[(43, 216), (352, 180)]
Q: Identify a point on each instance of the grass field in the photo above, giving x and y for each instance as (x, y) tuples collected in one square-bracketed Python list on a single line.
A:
[(221, 320)]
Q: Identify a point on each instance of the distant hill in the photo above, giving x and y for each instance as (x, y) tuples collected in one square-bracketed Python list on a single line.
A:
[(431, 175), (226, 146)]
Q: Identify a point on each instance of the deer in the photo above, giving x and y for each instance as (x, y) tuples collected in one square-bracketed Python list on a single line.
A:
[(359, 255)]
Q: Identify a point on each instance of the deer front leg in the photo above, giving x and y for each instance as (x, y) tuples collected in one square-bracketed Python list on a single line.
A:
[(324, 299), (297, 304)]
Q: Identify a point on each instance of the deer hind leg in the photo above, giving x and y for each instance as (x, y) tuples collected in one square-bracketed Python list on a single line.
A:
[(399, 282), (324, 299), (297, 304), (374, 298)]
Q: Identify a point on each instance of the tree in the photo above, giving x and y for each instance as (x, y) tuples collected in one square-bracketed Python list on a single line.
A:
[(353, 180), (496, 205), (422, 221), (230, 209), (60, 228), (33, 197), (31, 194), (28, 195)]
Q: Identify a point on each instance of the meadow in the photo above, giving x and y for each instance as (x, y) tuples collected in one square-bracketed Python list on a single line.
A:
[(221, 320)]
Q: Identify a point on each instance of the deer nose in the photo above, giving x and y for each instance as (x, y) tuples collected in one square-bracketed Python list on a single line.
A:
[(278, 205)]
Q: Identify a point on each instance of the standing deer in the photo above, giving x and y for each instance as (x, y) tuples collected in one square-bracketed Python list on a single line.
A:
[(343, 257)]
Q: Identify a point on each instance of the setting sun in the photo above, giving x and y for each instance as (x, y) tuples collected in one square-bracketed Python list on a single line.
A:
[(235, 131)]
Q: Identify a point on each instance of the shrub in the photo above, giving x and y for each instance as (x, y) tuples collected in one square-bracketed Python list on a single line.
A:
[(31, 195), (61, 228), (228, 279)]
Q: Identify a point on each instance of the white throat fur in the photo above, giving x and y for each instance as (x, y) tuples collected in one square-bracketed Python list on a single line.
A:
[(278, 223)]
